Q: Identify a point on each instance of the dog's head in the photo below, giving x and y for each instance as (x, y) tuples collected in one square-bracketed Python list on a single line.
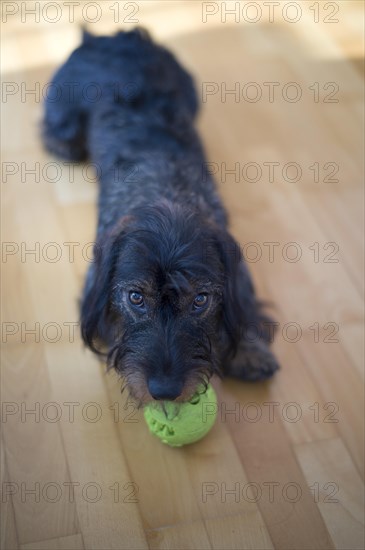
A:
[(164, 297)]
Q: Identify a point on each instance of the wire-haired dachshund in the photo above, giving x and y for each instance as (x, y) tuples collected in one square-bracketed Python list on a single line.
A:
[(168, 298)]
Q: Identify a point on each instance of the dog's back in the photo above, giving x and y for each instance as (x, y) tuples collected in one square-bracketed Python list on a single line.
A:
[(129, 106), (127, 69)]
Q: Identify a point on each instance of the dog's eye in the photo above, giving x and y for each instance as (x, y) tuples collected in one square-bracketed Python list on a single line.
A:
[(200, 301), (136, 298)]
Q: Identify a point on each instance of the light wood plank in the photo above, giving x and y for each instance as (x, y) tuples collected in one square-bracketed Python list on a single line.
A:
[(347, 394), (190, 536), (108, 512), (73, 542), (337, 488), (238, 532), (296, 399), (39, 472), (270, 464), (9, 537)]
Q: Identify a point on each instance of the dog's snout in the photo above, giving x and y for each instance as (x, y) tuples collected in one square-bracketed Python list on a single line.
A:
[(164, 388)]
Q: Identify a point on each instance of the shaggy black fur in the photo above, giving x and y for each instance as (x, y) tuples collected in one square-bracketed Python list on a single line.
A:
[(168, 298)]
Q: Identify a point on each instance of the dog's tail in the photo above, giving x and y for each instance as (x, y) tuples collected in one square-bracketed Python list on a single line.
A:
[(128, 69)]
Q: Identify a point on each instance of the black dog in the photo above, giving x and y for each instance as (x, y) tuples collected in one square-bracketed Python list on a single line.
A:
[(168, 298)]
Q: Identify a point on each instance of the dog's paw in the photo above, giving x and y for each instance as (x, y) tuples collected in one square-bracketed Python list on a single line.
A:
[(253, 362)]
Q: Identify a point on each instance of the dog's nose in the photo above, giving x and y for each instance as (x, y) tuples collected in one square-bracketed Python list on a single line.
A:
[(164, 389)]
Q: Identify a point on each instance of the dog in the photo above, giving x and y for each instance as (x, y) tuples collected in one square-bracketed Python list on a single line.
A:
[(168, 299)]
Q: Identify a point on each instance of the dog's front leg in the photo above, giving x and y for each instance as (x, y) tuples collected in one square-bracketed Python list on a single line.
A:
[(253, 361)]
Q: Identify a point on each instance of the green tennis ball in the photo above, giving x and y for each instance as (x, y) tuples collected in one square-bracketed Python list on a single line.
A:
[(183, 423)]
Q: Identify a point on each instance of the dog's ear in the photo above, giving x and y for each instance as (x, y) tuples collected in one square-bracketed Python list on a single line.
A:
[(241, 310), (95, 304)]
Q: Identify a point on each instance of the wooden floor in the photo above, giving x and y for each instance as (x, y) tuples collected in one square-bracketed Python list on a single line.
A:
[(284, 470)]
